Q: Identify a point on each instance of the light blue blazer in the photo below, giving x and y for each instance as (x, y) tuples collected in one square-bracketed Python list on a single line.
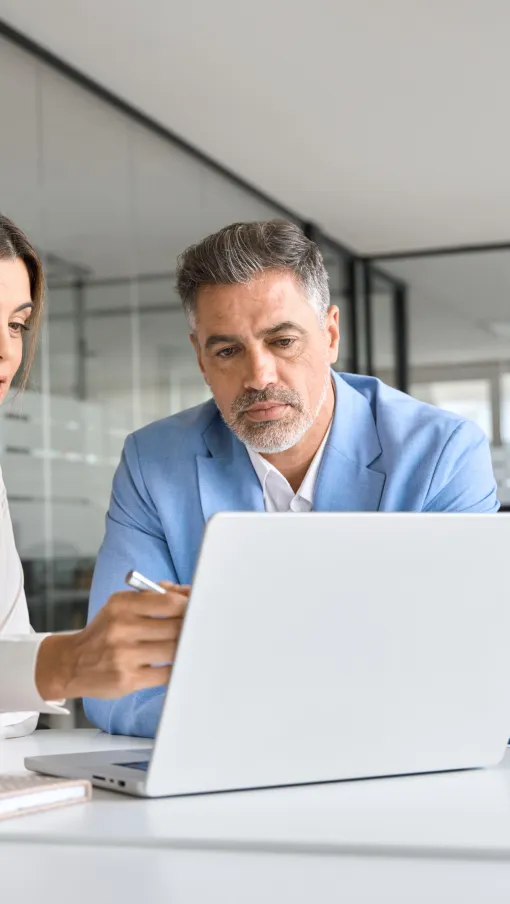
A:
[(385, 452)]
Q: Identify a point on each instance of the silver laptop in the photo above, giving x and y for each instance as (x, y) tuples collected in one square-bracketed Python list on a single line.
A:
[(329, 646)]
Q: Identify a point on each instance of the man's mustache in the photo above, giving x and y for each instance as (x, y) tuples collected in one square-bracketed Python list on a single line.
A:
[(283, 396)]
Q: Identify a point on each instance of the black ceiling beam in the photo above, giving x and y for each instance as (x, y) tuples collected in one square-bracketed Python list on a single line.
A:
[(444, 251)]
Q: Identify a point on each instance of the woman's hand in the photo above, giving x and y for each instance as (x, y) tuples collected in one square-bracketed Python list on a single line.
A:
[(128, 646)]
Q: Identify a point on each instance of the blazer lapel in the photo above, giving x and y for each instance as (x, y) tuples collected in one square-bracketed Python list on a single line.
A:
[(349, 479), (345, 482), (226, 479)]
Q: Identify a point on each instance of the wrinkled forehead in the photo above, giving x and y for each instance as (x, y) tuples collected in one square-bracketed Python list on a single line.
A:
[(252, 307)]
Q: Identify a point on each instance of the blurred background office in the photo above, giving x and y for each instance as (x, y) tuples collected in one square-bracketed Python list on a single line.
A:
[(128, 131)]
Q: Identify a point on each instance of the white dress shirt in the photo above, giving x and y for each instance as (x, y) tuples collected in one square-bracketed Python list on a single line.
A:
[(278, 493), (20, 701)]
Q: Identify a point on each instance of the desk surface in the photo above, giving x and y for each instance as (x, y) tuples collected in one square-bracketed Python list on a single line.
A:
[(462, 814)]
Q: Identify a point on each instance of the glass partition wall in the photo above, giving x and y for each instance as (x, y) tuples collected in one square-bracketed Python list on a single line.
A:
[(459, 338), (373, 314), (110, 202), (109, 205), (385, 326)]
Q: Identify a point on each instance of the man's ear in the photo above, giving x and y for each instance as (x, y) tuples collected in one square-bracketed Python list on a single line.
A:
[(333, 331), (198, 352)]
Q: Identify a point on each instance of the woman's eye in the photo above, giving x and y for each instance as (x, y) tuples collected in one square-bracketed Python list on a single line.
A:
[(18, 327)]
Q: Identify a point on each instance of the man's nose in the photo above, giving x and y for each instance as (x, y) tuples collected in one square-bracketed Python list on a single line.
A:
[(260, 370)]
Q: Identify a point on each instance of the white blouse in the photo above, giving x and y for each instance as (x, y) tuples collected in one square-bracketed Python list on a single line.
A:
[(20, 701)]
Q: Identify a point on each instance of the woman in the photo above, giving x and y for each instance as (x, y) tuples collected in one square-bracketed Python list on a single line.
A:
[(118, 652)]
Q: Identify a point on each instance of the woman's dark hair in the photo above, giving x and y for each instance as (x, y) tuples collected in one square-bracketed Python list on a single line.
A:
[(13, 245)]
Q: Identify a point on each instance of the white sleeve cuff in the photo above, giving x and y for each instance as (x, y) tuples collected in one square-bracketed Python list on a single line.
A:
[(18, 690)]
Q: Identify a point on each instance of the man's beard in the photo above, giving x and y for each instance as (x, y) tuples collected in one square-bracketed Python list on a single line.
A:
[(269, 437)]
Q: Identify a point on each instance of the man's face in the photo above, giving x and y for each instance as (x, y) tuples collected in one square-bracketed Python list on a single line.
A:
[(266, 357)]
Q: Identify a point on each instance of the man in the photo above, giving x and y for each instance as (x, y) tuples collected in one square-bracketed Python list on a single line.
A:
[(284, 432)]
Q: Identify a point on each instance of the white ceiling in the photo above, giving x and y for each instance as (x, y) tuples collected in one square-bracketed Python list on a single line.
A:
[(88, 184), (93, 188), (385, 121)]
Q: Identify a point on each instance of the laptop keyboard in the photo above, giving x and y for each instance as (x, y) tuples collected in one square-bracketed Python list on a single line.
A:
[(143, 765)]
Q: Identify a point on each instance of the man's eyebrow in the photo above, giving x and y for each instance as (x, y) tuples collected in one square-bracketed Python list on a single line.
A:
[(280, 327), (217, 338)]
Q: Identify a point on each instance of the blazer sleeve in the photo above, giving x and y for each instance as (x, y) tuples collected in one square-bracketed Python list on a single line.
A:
[(463, 479), (134, 539)]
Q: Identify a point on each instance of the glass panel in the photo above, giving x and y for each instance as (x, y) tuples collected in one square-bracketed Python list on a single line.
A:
[(361, 319), (23, 458), (87, 233), (22, 428), (110, 206), (61, 307), (505, 408), (459, 311), (470, 399), (383, 330), (459, 325), (111, 350), (336, 265), (501, 454), (20, 188)]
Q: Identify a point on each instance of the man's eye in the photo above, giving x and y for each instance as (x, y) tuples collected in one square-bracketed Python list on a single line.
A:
[(226, 352), (284, 343)]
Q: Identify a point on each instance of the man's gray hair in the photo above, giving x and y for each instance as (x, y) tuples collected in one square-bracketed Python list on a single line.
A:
[(242, 252)]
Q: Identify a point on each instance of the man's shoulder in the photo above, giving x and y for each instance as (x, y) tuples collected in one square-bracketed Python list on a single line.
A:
[(399, 417), (182, 432)]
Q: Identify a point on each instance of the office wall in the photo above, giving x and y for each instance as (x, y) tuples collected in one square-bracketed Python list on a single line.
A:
[(109, 205), (459, 340)]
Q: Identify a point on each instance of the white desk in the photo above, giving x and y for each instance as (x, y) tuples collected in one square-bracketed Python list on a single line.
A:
[(415, 839)]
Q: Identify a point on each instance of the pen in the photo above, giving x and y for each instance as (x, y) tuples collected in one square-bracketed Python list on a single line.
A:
[(138, 582)]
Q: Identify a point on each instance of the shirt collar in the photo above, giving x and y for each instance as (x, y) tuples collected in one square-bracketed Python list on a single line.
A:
[(263, 468)]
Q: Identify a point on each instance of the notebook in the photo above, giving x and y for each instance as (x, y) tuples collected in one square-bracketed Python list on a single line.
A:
[(32, 793)]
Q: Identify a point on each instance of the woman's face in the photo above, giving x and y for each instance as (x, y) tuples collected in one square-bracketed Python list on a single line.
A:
[(15, 310)]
